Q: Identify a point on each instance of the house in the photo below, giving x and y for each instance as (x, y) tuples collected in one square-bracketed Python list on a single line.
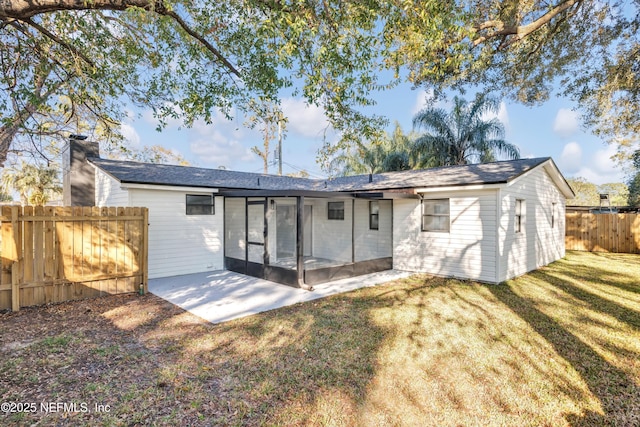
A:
[(488, 222)]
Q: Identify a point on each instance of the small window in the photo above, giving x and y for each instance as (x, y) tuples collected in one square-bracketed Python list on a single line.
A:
[(520, 210), (336, 210), (374, 212), (553, 215), (200, 204), (435, 215)]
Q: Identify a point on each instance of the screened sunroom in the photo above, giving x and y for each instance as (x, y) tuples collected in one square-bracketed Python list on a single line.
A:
[(304, 238)]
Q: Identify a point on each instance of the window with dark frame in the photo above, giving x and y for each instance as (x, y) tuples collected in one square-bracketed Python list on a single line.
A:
[(374, 215), (519, 215), (336, 210), (200, 204), (436, 215)]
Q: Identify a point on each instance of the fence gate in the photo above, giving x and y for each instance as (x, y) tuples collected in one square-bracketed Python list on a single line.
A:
[(54, 254)]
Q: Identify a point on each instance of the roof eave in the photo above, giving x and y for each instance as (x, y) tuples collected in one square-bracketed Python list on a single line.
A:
[(166, 187), (462, 187)]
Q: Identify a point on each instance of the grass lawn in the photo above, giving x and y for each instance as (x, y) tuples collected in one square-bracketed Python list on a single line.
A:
[(560, 346)]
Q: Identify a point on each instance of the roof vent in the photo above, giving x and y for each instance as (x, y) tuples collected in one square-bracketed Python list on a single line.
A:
[(258, 182), (370, 177)]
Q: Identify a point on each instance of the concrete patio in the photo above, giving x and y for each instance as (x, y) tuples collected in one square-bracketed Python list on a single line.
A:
[(219, 296)]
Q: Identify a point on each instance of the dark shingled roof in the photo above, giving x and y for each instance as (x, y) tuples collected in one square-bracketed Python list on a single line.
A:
[(186, 176), (447, 176)]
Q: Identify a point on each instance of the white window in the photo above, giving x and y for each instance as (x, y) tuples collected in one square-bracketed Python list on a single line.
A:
[(553, 215), (200, 204), (520, 211), (435, 215)]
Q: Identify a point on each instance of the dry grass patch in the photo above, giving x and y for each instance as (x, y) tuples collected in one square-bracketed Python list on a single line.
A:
[(560, 346)]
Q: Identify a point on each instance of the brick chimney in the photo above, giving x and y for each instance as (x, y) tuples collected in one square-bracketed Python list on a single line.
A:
[(78, 176)]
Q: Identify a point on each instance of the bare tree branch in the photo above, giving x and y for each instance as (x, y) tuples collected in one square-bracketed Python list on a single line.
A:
[(519, 32)]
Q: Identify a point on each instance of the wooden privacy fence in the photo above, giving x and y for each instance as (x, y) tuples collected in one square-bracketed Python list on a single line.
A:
[(55, 254), (603, 232)]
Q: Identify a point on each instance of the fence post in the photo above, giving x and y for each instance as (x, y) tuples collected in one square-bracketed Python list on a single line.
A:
[(15, 264)]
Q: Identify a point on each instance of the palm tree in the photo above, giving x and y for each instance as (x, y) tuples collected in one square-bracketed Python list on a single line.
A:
[(461, 136), (35, 184)]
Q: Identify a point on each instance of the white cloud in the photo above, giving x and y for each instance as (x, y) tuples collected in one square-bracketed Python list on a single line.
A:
[(502, 115), (571, 157), (304, 119), (218, 149), (600, 168), (130, 135), (603, 162), (596, 177), (423, 100), (566, 122), (218, 143)]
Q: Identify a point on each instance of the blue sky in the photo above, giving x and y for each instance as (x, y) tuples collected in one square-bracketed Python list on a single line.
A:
[(552, 129)]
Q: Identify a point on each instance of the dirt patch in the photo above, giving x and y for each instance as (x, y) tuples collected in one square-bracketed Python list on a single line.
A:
[(559, 346), (75, 359)]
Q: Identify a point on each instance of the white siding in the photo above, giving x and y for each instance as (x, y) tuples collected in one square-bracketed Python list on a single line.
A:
[(331, 237), (372, 244), (180, 243), (108, 191), (467, 251), (538, 244)]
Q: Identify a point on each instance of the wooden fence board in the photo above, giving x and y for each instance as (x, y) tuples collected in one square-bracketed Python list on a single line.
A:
[(112, 238), (55, 254), (49, 247), (7, 250), (618, 233), (16, 276)]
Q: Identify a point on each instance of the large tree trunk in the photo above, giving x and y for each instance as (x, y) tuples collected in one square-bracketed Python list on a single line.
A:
[(7, 134), (9, 131)]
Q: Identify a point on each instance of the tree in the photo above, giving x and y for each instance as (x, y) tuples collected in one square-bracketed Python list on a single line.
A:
[(634, 191), (524, 50), (617, 191), (586, 192), (462, 135), (390, 153), (634, 182), (49, 82), (268, 116), (299, 174), (4, 197), (185, 60), (189, 59), (36, 184), (155, 154)]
